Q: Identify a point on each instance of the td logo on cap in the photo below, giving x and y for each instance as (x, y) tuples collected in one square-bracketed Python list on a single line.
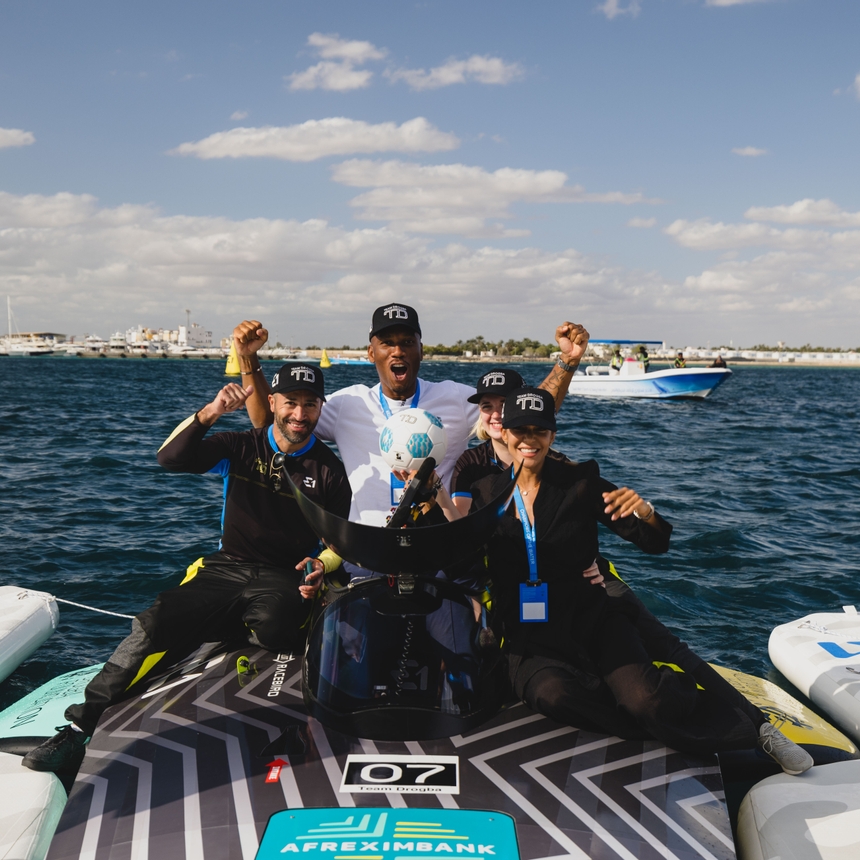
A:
[(389, 316), (530, 401), (303, 374), (496, 383), (529, 407)]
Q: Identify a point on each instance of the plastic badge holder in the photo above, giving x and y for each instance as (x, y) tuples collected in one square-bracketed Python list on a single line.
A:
[(534, 606), (397, 487)]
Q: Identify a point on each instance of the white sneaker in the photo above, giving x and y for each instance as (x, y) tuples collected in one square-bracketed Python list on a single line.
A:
[(787, 754)]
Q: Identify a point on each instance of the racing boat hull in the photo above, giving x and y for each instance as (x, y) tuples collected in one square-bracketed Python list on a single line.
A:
[(221, 763)]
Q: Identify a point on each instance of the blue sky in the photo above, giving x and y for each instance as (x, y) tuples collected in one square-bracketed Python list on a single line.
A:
[(677, 169)]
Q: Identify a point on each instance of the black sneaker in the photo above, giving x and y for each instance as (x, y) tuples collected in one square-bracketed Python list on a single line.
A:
[(57, 752)]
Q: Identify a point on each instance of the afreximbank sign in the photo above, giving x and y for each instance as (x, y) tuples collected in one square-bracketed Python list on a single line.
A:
[(363, 834)]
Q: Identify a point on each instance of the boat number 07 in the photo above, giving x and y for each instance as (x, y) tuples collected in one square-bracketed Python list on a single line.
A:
[(402, 773), (395, 772)]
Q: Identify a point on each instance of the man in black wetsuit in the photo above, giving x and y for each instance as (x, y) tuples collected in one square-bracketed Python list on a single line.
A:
[(252, 586)]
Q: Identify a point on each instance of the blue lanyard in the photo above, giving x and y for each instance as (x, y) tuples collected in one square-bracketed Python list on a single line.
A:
[(275, 448), (528, 534), (386, 409)]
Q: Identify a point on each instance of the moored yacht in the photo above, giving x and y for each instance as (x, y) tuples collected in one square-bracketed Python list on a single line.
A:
[(22, 344)]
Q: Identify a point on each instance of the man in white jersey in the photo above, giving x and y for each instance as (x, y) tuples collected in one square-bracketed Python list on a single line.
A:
[(354, 416)]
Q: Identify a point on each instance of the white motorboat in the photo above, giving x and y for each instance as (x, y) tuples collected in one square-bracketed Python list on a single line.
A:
[(631, 380), (175, 350), (22, 345), (25, 347)]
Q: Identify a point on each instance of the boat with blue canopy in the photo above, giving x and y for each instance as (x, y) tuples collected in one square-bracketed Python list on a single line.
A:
[(633, 380)]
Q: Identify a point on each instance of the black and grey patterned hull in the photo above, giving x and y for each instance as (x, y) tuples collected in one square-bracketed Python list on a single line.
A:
[(190, 769)]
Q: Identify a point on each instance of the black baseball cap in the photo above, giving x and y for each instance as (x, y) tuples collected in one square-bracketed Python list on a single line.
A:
[(295, 377), (497, 382), (529, 406), (389, 316)]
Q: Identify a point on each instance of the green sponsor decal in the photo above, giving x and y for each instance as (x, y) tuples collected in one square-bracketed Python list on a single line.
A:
[(390, 834), (40, 712)]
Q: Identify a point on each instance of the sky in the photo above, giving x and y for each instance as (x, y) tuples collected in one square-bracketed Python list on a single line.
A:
[(678, 170)]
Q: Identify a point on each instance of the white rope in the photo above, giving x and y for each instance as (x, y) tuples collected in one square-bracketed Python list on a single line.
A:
[(92, 608), (49, 597)]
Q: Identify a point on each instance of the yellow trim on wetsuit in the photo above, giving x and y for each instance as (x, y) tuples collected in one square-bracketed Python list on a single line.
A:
[(146, 666), (178, 430), (150, 662), (675, 668), (613, 571), (192, 570)]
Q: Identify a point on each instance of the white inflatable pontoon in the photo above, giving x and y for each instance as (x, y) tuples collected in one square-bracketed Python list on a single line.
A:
[(32, 804), (820, 655), (812, 817), (27, 619)]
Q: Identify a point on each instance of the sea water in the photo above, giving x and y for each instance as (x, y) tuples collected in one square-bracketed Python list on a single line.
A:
[(761, 482)]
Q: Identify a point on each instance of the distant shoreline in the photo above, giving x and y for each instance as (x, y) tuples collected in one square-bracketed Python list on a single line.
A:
[(314, 356)]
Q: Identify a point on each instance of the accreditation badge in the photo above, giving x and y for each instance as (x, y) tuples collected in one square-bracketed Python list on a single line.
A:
[(534, 605), (397, 488)]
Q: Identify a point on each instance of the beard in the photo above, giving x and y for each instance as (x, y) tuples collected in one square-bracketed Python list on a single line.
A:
[(292, 435)]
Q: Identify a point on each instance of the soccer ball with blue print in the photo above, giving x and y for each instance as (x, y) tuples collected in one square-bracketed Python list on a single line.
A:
[(409, 437)]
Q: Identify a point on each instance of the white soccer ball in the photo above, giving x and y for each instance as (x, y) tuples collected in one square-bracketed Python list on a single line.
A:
[(409, 437)]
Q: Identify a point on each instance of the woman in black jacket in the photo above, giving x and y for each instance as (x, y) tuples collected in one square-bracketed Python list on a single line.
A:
[(576, 655)]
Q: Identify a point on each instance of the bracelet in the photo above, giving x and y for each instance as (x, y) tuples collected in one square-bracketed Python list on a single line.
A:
[(251, 372), (568, 367), (648, 515)]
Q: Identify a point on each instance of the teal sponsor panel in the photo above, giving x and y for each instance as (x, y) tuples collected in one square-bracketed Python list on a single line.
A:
[(389, 834), (40, 712)]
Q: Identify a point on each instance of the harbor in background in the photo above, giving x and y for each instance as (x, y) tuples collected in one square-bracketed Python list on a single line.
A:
[(193, 341)]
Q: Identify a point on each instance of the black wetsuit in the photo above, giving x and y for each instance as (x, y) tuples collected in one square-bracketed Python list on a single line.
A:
[(592, 663), (249, 587)]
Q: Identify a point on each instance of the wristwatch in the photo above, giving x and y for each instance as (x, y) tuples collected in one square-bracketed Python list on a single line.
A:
[(648, 515)]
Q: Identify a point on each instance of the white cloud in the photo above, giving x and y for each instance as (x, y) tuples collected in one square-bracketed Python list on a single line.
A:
[(72, 265), (642, 223), (457, 198), (337, 69), (331, 47), (10, 137), (856, 86), (613, 8), (319, 138), (801, 285), (79, 267), (807, 211), (238, 115), (36, 210), (327, 75), (339, 59), (484, 70), (705, 235), (749, 151)]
